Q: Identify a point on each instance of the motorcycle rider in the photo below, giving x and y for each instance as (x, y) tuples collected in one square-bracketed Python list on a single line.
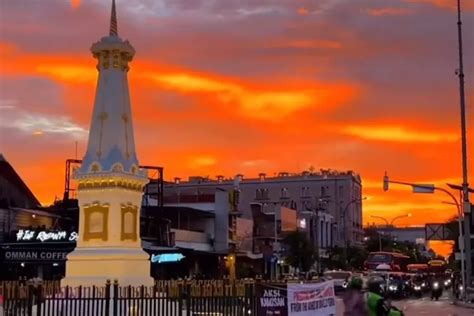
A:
[(374, 300), (437, 287), (376, 305)]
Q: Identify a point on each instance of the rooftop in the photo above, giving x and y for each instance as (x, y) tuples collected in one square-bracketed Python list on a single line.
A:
[(321, 174)]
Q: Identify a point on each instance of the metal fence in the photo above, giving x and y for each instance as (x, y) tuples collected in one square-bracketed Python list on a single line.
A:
[(166, 298)]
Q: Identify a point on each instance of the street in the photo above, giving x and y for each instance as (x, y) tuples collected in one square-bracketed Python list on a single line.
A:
[(424, 306)]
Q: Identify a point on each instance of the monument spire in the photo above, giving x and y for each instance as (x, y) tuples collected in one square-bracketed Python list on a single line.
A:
[(113, 21), (111, 145), (110, 182)]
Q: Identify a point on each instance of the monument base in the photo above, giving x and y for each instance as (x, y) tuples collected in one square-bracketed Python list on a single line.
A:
[(94, 266)]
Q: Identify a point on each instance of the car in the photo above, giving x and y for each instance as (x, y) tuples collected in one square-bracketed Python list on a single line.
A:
[(341, 279)]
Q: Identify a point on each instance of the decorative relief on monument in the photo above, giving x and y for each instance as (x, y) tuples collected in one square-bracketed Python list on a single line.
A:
[(96, 221), (129, 222)]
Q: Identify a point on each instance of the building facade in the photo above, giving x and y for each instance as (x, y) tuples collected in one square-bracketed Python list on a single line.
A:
[(329, 201), (34, 240)]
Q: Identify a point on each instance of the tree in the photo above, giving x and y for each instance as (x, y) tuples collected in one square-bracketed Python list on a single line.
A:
[(355, 258), (300, 251), (388, 243)]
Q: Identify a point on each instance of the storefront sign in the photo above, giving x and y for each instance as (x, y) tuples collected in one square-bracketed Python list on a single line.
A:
[(312, 299), (272, 299), (166, 257), (33, 255), (44, 236)]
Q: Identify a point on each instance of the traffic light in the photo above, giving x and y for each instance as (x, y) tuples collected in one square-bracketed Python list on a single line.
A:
[(385, 182)]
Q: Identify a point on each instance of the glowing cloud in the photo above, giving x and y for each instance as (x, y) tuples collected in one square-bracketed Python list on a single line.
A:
[(398, 134), (202, 161), (75, 3), (445, 4), (38, 124), (68, 72), (259, 103), (302, 11), (388, 11), (308, 44)]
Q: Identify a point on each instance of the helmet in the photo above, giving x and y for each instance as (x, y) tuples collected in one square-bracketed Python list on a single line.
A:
[(375, 285), (356, 283)]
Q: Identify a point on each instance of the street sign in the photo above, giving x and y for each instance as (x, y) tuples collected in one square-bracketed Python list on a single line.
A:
[(423, 188), (437, 232)]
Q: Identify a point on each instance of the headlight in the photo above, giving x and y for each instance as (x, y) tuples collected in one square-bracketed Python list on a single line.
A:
[(417, 288), (446, 283), (423, 284), (436, 285), (392, 287), (461, 288)]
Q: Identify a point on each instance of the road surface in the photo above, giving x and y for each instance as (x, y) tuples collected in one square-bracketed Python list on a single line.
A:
[(423, 306)]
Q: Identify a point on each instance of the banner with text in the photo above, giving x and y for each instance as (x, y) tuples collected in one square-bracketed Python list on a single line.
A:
[(272, 299), (313, 299)]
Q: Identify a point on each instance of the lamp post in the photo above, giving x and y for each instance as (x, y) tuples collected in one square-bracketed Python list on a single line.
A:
[(431, 188), (390, 226), (344, 220), (393, 220), (465, 185)]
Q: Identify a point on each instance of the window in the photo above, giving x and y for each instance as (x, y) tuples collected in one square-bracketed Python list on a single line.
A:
[(284, 193), (305, 191), (341, 191), (328, 235), (265, 194), (261, 194), (321, 233), (324, 191), (304, 206)]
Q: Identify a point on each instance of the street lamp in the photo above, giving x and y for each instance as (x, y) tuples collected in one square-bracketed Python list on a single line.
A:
[(393, 220), (431, 188)]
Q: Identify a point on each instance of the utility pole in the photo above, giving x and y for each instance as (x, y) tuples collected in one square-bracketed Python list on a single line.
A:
[(465, 185)]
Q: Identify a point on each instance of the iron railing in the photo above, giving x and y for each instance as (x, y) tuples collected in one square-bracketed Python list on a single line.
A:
[(167, 298)]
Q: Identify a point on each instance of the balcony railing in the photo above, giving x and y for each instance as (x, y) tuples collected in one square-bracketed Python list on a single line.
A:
[(194, 198), (190, 236)]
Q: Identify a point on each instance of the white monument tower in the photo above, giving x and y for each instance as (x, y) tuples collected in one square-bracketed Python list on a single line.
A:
[(110, 182)]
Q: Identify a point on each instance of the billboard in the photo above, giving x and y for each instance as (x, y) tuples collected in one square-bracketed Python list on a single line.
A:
[(272, 299), (312, 299)]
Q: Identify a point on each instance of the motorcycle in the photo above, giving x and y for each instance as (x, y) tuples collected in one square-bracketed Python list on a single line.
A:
[(425, 286), (436, 290), (459, 291), (394, 291), (447, 283), (417, 290)]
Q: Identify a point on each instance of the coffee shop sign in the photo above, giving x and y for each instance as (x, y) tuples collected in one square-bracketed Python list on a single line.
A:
[(29, 235)]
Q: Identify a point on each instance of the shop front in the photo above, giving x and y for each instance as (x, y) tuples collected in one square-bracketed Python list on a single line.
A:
[(182, 263), (36, 253)]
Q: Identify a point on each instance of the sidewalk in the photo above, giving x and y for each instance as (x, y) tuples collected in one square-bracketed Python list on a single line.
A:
[(463, 304)]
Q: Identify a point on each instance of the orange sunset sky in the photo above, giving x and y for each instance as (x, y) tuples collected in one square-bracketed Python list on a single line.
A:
[(227, 87)]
